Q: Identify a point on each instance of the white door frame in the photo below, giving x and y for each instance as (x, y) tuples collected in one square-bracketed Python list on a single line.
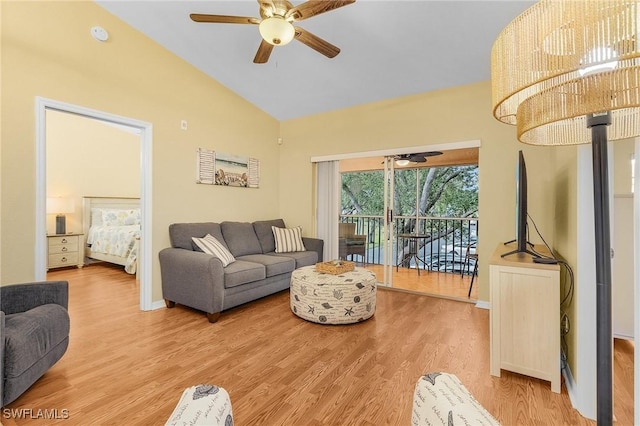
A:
[(145, 129)]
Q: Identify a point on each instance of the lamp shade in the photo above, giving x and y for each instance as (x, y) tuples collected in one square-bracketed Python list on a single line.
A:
[(560, 61), (58, 205), (276, 30)]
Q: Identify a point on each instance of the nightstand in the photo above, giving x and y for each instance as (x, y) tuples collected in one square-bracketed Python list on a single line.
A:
[(65, 250)]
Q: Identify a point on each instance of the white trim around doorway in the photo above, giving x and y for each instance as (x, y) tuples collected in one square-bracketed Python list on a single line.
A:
[(145, 131)]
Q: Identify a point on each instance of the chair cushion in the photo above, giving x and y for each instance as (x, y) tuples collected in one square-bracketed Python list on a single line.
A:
[(302, 258), (180, 234), (243, 272), (30, 335), (265, 234), (240, 238), (275, 265)]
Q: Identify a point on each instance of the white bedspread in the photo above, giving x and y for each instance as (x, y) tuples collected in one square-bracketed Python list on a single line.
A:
[(117, 241)]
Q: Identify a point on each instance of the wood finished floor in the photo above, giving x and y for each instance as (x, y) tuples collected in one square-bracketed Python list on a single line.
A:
[(124, 366), (430, 282)]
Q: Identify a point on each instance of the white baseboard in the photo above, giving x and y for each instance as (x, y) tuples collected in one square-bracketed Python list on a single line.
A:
[(572, 390), (158, 304), (483, 304)]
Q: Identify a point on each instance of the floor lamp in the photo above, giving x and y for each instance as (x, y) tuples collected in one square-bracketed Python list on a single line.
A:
[(568, 72)]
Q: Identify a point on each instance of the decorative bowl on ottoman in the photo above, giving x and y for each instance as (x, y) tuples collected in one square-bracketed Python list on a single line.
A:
[(335, 267), (333, 299)]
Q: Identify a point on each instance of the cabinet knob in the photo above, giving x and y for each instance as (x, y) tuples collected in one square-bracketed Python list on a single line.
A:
[(64, 241), (64, 249), (64, 259)]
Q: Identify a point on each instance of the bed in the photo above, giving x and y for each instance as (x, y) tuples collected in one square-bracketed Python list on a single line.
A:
[(111, 228)]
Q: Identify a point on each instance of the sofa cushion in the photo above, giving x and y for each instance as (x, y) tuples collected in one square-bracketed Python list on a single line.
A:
[(302, 258), (275, 265), (180, 234), (288, 239), (31, 335), (243, 272), (240, 238), (212, 246), (265, 234)]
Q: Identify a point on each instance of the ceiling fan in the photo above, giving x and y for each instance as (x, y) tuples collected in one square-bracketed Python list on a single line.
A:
[(418, 157), (276, 26)]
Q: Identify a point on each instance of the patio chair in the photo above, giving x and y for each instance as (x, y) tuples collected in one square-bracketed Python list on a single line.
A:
[(353, 244), (470, 253)]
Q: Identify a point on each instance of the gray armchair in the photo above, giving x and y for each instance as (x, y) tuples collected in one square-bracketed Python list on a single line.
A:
[(34, 333)]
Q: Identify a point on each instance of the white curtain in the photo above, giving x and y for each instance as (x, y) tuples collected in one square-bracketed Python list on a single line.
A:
[(328, 204)]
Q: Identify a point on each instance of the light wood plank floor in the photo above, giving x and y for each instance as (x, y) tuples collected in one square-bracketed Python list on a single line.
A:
[(124, 366), (430, 282)]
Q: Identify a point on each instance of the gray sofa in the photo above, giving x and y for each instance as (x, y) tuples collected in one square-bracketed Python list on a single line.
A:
[(198, 280), (34, 333)]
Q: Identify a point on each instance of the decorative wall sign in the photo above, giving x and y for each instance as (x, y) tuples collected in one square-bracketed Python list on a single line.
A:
[(216, 168)]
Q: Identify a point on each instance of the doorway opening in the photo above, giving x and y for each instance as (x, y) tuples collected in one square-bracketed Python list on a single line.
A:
[(144, 132)]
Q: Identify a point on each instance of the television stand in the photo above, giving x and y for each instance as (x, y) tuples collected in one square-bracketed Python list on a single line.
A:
[(525, 316), (531, 252)]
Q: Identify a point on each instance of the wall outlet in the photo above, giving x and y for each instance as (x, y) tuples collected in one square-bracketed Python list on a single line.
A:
[(183, 124), (564, 324)]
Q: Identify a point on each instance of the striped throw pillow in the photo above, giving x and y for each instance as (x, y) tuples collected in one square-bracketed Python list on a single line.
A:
[(288, 239), (210, 245)]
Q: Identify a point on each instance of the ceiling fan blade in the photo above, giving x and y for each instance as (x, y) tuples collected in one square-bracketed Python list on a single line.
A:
[(263, 53), (429, 153), (315, 7), (316, 43), (223, 19)]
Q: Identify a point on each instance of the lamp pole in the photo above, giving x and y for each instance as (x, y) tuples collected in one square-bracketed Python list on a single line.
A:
[(604, 336)]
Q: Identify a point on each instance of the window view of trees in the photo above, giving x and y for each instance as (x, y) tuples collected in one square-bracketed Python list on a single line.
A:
[(439, 201), (443, 191)]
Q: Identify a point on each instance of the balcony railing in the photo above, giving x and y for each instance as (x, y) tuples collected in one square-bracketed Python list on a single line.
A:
[(444, 250)]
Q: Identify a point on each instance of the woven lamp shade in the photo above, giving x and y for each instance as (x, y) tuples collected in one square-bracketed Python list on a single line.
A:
[(537, 66)]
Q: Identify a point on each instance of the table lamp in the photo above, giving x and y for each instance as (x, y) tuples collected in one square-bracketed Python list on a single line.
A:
[(568, 72), (60, 206)]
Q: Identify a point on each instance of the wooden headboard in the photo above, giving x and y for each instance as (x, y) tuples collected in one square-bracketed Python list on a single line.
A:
[(104, 203)]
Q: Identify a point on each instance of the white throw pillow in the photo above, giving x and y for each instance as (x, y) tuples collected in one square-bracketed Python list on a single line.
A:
[(288, 239), (210, 245)]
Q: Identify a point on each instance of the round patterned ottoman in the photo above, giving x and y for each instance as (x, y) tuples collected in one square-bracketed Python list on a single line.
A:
[(333, 299)]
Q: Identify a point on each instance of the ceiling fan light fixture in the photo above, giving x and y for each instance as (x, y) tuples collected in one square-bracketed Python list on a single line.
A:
[(276, 30), (402, 162)]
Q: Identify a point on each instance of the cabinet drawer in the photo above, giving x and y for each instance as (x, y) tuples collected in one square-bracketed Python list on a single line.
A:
[(62, 249), (63, 259), (71, 240)]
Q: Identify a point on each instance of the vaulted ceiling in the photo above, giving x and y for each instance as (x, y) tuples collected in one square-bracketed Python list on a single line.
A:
[(388, 49)]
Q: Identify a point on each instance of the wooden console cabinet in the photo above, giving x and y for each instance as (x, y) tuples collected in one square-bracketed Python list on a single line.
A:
[(525, 316)]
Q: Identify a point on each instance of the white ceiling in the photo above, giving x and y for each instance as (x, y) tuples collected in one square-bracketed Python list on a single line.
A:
[(388, 49)]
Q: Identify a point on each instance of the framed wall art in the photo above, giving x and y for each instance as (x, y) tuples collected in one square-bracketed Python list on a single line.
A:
[(216, 168)]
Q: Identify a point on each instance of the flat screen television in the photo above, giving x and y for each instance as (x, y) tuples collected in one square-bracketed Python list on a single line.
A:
[(521, 210)]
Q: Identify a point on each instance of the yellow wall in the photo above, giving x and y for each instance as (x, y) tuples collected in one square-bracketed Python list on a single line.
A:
[(47, 51), (452, 115), (565, 210), (88, 157), (622, 151)]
